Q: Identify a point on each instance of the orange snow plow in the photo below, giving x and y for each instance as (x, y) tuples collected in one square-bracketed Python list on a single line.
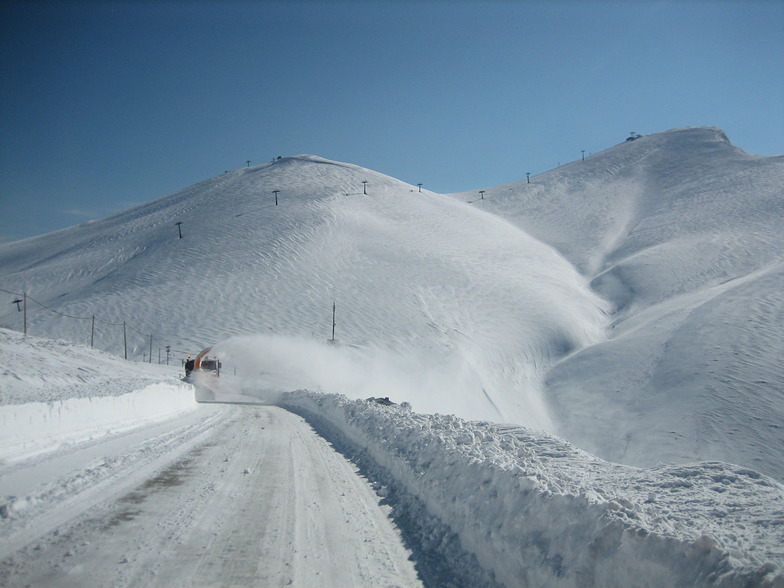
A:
[(203, 374), (204, 364)]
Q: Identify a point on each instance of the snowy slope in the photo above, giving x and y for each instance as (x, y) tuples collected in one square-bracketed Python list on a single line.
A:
[(48, 370), (682, 232), (450, 288)]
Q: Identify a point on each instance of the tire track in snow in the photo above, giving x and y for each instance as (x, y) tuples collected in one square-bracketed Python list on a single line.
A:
[(261, 501)]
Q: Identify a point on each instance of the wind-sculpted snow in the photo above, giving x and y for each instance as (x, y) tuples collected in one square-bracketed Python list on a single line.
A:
[(535, 511), (681, 231)]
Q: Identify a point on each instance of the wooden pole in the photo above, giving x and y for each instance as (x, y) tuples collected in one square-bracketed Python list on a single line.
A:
[(92, 333), (333, 321), (125, 341)]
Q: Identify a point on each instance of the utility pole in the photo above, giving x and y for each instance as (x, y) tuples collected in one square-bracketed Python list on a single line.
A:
[(92, 333), (583, 152), (18, 301), (168, 350), (482, 194), (125, 341), (333, 322), (150, 348), (248, 162), (528, 176), (179, 228), (364, 186), (420, 187), (276, 196)]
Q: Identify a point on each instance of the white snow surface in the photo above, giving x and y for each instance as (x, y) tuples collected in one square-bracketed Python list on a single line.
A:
[(484, 308), (478, 503), (630, 303), (50, 370), (536, 511), (682, 233), (59, 394)]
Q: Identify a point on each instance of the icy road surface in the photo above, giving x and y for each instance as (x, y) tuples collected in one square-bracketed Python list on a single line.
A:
[(227, 495)]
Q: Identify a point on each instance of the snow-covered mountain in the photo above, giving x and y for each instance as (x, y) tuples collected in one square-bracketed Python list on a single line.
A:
[(432, 296), (630, 303), (682, 233)]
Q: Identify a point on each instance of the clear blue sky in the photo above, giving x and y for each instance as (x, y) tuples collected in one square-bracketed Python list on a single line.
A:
[(104, 105)]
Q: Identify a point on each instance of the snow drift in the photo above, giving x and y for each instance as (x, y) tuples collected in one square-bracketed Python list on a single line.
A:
[(30, 429), (536, 511)]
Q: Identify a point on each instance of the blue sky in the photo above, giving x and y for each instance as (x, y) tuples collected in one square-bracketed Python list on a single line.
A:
[(105, 105)]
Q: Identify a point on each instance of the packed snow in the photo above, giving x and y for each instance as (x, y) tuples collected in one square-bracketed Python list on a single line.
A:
[(629, 304)]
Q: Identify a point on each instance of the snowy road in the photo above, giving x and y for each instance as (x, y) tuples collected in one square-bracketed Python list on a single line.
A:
[(227, 495)]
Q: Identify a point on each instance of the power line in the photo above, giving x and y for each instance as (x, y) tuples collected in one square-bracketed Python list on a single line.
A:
[(93, 318)]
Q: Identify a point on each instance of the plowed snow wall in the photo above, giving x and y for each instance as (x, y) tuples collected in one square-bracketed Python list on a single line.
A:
[(510, 495), (33, 428)]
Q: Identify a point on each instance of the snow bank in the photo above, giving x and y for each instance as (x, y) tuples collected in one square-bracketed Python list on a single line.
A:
[(30, 429), (54, 393), (535, 511), (37, 369)]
